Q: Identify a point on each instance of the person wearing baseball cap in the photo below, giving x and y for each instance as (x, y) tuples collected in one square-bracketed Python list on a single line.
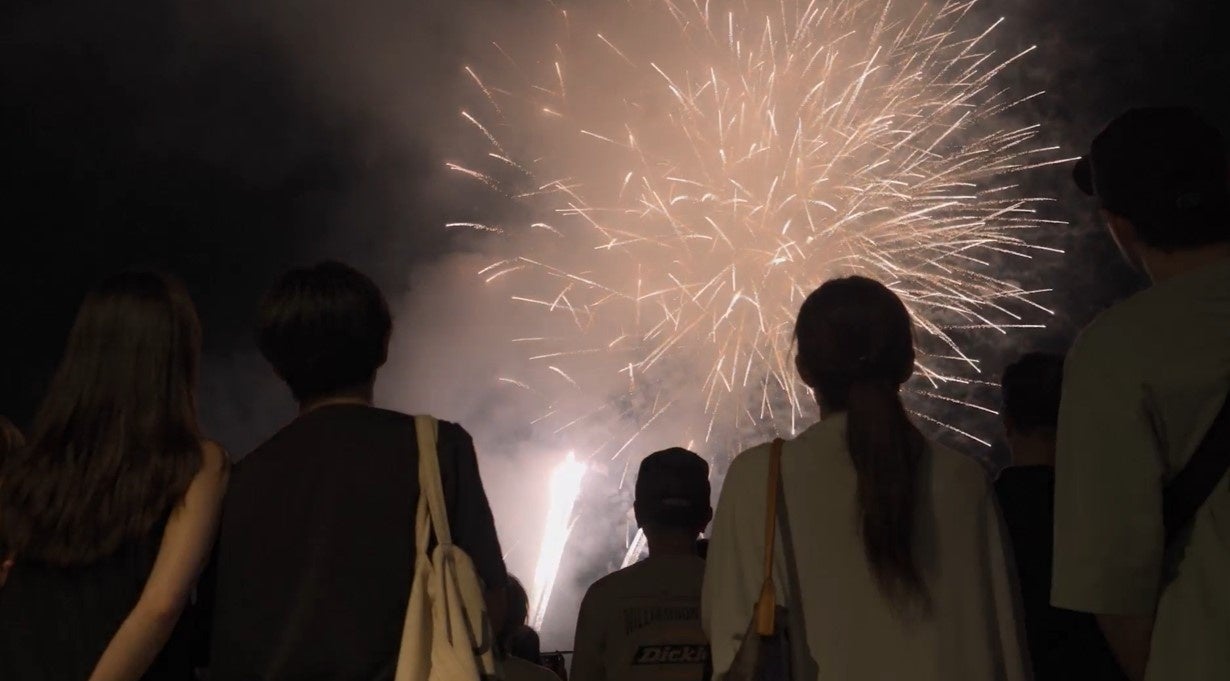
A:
[(643, 622), (1142, 386)]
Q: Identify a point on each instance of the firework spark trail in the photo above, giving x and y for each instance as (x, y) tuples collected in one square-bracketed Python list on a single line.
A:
[(691, 196), (565, 487)]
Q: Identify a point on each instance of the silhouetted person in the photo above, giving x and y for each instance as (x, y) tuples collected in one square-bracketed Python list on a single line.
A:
[(902, 567), (111, 507), (1062, 643), (1142, 386), (643, 622), (316, 550), (520, 655)]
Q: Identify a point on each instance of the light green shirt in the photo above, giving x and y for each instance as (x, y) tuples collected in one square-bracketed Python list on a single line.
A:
[(1141, 387)]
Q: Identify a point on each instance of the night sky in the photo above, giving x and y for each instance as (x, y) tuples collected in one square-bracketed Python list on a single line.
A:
[(225, 144)]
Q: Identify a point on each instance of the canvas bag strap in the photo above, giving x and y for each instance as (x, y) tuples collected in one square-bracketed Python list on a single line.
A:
[(766, 605), (431, 488)]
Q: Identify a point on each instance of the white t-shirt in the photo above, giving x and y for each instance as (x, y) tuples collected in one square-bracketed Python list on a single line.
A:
[(1142, 385), (974, 632), (642, 623)]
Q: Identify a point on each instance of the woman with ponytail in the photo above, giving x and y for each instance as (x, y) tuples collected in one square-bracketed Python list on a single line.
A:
[(900, 566)]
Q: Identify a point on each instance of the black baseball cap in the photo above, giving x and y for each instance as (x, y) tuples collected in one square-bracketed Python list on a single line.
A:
[(672, 488), (1162, 163)]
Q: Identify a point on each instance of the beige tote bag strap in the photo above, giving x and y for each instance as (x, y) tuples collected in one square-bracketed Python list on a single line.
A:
[(766, 605), (431, 487)]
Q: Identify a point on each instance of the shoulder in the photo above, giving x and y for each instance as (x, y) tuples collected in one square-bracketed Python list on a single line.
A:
[(1114, 332), (750, 463), (607, 584), (956, 476)]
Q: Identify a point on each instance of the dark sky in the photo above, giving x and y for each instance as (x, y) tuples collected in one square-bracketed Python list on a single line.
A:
[(225, 143)]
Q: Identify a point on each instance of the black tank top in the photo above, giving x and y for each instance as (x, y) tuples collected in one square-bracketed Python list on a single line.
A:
[(55, 622)]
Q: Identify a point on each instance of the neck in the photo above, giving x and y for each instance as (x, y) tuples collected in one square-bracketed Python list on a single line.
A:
[(670, 545), (1162, 266), (364, 399), (1033, 449)]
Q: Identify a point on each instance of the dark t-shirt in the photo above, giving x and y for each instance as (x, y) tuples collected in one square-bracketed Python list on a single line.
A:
[(316, 548), (1063, 644), (55, 622)]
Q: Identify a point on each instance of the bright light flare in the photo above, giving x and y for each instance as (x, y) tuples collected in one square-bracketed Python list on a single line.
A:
[(564, 487)]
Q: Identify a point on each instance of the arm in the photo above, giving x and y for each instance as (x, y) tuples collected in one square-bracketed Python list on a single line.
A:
[(185, 546), (1130, 638), (1108, 502), (470, 519), (587, 646)]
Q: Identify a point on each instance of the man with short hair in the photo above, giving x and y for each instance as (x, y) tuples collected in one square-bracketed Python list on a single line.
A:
[(316, 548), (1142, 386), (643, 622), (1062, 644)]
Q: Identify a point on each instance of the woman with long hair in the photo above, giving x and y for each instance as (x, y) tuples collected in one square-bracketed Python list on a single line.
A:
[(899, 564), (110, 509)]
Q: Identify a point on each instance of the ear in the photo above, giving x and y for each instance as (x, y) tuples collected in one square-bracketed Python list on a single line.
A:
[(1123, 232), (803, 372)]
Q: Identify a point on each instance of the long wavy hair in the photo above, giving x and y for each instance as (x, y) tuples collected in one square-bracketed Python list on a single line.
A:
[(115, 442), (855, 350)]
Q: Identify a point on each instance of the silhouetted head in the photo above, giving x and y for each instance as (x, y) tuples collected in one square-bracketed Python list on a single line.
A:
[(325, 329), (518, 604), (516, 637), (672, 495), (115, 442), (1160, 175), (1031, 388), (855, 349), (853, 333)]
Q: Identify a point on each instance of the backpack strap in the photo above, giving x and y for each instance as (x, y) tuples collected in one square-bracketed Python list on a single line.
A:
[(431, 488), (1187, 491)]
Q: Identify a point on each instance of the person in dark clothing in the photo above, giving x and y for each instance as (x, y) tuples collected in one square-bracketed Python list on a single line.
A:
[(109, 511), (1063, 644), (316, 550)]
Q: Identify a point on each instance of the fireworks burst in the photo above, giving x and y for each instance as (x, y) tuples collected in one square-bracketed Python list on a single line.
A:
[(689, 183)]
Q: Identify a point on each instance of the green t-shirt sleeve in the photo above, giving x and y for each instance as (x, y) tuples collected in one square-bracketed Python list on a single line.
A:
[(1108, 489)]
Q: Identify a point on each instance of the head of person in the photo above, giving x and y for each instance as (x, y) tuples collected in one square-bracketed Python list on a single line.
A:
[(672, 503), (1160, 177), (325, 329), (516, 638), (518, 609), (855, 350), (115, 442), (1031, 388)]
